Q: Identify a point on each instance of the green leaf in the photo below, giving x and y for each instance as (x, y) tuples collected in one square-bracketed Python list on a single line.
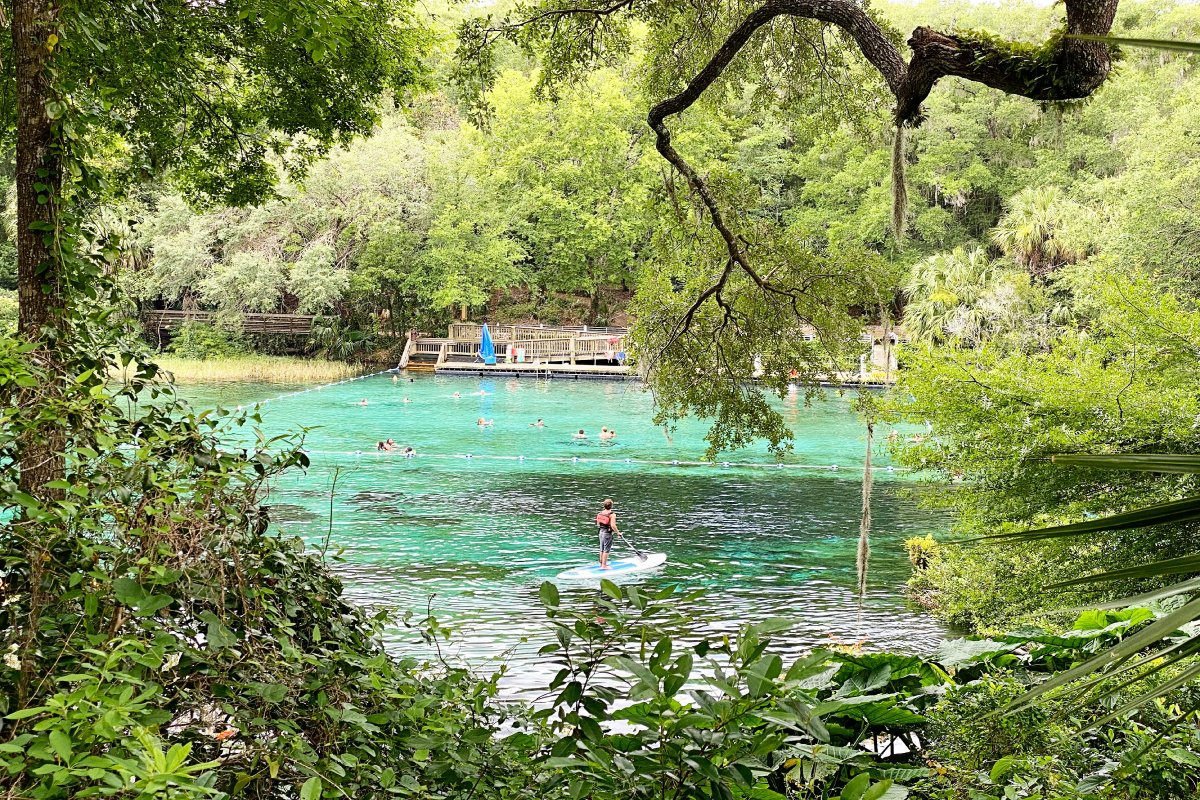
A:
[(610, 588), (549, 594), (885, 790), (856, 789), (591, 729), (1001, 768), (1156, 569), (311, 790), (60, 742), (957, 652), (219, 637), (25, 713), (1184, 587)]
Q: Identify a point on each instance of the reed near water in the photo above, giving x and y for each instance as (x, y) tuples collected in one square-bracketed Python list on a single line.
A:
[(256, 369)]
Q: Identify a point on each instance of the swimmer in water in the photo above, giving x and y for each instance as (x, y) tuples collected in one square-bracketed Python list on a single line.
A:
[(484, 423), (389, 445), (456, 395), (605, 433), (406, 400), (538, 424), (581, 434), (363, 402), (409, 452)]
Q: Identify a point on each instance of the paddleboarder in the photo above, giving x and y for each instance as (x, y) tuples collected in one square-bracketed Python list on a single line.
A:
[(606, 522)]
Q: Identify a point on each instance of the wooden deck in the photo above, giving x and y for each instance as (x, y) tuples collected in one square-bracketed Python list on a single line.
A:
[(522, 349), (540, 351)]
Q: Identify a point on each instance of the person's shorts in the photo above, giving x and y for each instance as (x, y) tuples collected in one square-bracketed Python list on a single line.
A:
[(606, 537)]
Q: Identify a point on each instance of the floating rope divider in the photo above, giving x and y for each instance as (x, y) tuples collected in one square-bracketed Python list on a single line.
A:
[(583, 460), (317, 388)]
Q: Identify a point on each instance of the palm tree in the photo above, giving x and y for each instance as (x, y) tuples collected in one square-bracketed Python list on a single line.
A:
[(1031, 232), (949, 295)]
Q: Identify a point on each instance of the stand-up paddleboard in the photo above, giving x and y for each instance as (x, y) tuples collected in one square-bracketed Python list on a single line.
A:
[(617, 566)]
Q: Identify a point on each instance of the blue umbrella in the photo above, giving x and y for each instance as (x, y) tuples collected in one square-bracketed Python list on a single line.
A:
[(487, 350)]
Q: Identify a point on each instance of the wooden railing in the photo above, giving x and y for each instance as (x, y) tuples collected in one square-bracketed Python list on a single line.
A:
[(470, 332), (286, 324)]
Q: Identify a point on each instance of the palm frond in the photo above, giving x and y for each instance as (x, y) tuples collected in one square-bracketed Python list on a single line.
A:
[(1152, 44), (1127, 647), (1184, 510), (1133, 462), (1171, 566)]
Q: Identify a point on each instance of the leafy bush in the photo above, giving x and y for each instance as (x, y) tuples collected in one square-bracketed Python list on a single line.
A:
[(921, 550), (202, 341), (1081, 742), (984, 589), (8, 312)]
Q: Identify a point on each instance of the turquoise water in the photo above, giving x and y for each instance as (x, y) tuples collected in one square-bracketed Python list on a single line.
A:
[(479, 535)]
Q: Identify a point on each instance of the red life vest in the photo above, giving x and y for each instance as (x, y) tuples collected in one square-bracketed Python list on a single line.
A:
[(604, 519)]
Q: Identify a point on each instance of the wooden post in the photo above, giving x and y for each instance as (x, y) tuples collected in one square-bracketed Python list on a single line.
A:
[(572, 350)]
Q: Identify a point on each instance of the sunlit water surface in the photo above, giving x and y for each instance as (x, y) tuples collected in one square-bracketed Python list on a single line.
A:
[(475, 537)]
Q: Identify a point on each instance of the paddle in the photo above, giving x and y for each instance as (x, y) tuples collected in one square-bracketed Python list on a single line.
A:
[(641, 555)]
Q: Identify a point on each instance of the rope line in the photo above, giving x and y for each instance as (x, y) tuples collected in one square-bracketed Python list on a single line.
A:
[(582, 460), (323, 386)]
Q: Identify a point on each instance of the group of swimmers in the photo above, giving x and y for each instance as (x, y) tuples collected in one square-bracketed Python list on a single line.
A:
[(605, 434), (390, 446)]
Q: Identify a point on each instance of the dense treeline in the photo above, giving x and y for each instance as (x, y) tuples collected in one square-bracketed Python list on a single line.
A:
[(549, 210)]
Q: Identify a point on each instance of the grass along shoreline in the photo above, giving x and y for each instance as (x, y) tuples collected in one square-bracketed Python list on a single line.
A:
[(256, 369)]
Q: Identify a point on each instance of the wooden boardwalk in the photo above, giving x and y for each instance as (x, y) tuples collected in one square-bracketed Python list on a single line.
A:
[(157, 321)]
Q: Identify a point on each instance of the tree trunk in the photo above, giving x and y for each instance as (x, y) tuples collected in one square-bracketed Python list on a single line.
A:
[(39, 183), (594, 306)]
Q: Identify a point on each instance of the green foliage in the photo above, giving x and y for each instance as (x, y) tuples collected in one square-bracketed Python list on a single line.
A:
[(922, 551), (574, 172), (966, 298), (223, 95), (202, 341), (331, 339), (999, 412), (8, 312), (8, 228)]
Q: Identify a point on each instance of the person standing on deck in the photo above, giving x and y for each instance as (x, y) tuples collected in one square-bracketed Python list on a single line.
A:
[(606, 522)]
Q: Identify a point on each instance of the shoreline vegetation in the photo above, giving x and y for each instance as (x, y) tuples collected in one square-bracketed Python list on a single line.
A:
[(256, 369)]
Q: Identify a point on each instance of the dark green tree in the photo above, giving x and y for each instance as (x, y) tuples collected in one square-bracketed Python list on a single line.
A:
[(219, 96)]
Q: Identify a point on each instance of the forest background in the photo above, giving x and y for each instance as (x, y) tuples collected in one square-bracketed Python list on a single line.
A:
[(548, 211)]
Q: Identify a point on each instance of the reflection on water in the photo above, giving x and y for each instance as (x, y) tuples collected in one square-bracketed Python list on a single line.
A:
[(479, 535)]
